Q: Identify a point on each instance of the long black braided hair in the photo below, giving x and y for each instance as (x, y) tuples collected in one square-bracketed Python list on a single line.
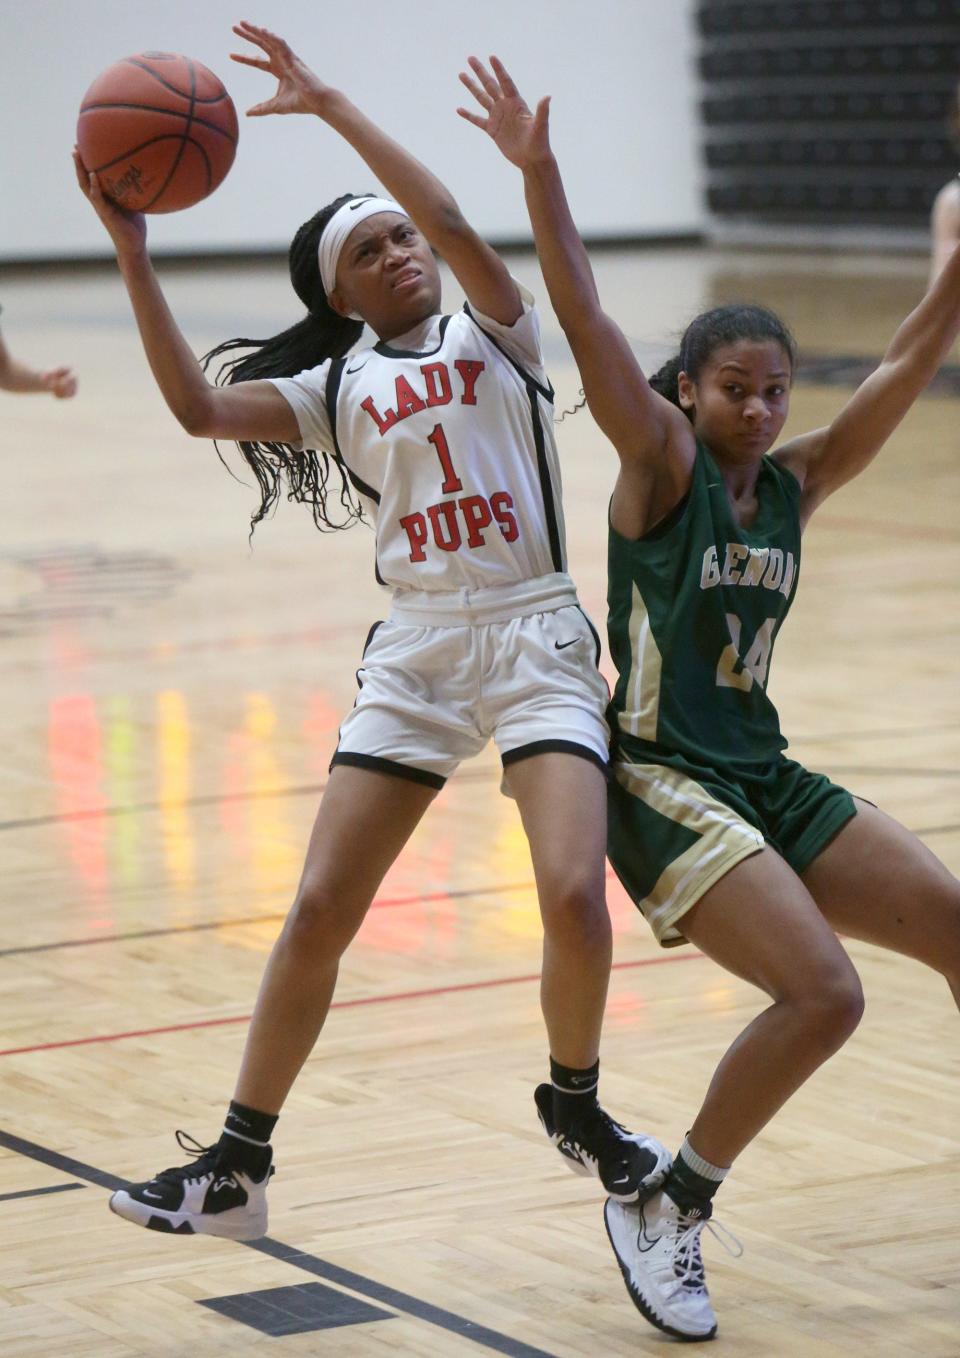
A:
[(320, 335)]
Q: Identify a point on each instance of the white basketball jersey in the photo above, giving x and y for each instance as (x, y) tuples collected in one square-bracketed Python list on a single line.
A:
[(446, 435)]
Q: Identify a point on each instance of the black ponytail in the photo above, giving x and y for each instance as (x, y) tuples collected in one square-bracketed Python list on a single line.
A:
[(707, 332), (667, 380), (322, 334)]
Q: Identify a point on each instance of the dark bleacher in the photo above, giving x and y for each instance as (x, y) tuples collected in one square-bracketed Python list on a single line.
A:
[(828, 112)]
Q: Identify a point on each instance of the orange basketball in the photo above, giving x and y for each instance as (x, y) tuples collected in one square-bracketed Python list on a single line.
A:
[(159, 129)]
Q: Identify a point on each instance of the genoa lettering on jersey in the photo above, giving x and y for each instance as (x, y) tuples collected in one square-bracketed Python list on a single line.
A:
[(746, 565), (694, 616)]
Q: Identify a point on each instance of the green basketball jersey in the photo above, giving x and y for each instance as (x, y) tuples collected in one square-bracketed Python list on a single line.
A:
[(694, 610)]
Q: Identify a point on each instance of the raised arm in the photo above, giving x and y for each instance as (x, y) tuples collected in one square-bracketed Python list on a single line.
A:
[(827, 458), (478, 269), (17, 376), (643, 426), (944, 226), (247, 410)]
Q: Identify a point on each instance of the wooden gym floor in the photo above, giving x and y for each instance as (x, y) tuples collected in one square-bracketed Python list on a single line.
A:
[(170, 700)]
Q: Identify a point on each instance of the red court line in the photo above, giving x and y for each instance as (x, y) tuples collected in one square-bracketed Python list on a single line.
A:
[(342, 1004)]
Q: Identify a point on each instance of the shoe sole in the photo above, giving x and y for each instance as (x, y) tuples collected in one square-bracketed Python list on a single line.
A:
[(641, 1303), (185, 1223)]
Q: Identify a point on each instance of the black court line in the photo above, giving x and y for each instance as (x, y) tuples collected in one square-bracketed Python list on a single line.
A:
[(462, 775), (400, 1301), (467, 893), (202, 799), (39, 1192), (274, 916), (309, 1263)]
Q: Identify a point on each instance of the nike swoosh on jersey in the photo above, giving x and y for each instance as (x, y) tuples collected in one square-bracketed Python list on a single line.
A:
[(562, 645), (359, 366)]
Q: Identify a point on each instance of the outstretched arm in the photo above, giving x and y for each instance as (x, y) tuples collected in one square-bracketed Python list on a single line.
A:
[(16, 376), (246, 410), (640, 423), (944, 227), (828, 458), (478, 269)]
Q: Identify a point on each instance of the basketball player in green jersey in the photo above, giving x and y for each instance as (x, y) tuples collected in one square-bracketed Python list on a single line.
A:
[(719, 838)]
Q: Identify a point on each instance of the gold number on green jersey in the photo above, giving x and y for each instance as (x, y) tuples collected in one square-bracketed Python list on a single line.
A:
[(736, 671)]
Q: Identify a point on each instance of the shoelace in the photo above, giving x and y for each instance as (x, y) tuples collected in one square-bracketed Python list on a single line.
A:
[(687, 1258), (610, 1140), (611, 1133), (206, 1160)]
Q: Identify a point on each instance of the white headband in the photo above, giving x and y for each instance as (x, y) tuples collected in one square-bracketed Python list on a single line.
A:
[(334, 235)]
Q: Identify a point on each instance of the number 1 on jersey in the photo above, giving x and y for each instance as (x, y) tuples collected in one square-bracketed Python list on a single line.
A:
[(451, 481)]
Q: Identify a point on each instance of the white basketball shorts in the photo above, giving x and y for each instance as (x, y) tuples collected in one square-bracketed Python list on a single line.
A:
[(448, 672)]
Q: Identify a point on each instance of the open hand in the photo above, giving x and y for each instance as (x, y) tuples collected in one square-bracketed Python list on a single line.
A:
[(522, 136), (128, 230), (298, 89)]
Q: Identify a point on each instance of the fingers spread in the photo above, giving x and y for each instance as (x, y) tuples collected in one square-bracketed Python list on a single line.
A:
[(262, 37), (260, 63), (250, 31), (484, 76), (503, 75), (482, 98)]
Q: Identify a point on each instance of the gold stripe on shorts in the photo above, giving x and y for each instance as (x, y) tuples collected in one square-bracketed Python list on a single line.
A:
[(724, 839)]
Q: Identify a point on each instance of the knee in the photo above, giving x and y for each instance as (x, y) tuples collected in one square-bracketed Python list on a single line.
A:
[(318, 925), (831, 1008), (575, 916)]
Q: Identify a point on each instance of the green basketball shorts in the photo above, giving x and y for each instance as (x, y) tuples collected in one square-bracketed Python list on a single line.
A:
[(676, 828)]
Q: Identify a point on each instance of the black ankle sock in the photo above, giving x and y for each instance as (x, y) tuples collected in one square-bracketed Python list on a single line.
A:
[(574, 1092), (686, 1187), (246, 1135)]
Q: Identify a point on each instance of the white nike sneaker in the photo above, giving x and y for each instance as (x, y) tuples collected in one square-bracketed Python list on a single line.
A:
[(209, 1196), (658, 1249)]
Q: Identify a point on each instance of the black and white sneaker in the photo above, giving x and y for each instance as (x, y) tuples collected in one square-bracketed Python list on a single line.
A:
[(209, 1196), (658, 1249), (630, 1165)]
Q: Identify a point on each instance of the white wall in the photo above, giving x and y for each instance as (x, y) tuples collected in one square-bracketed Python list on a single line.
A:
[(620, 72)]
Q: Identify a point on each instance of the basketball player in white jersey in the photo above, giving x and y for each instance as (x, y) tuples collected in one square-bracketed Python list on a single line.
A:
[(443, 432)]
